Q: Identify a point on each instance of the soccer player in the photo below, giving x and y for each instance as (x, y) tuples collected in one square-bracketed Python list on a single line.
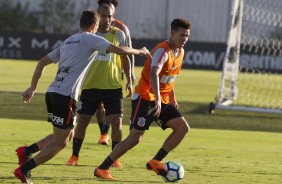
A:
[(154, 100), (104, 123), (73, 56), (103, 83), (119, 24)]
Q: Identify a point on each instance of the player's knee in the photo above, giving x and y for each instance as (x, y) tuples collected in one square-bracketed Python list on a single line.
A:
[(116, 122), (179, 125), (134, 142), (134, 139), (84, 119), (183, 127), (82, 123), (186, 128), (137, 139)]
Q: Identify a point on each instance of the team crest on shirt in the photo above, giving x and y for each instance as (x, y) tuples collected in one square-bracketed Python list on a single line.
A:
[(141, 122)]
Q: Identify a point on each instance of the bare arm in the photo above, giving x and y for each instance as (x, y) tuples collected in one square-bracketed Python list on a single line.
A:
[(155, 85), (127, 70), (172, 99), (28, 93), (121, 50), (132, 59)]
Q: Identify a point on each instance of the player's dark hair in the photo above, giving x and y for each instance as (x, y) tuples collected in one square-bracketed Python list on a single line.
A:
[(88, 18), (180, 23), (114, 2), (104, 7)]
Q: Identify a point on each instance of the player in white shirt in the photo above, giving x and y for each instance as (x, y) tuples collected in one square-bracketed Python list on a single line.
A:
[(74, 56)]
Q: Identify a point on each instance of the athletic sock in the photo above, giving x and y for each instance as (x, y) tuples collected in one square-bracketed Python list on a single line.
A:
[(101, 124), (114, 143), (76, 145), (28, 166), (161, 154), (31, 149), (105, 129), (106, 164)]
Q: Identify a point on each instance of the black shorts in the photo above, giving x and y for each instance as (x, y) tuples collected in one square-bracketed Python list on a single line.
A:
[(61, 110), (91, 98), (141, 119)]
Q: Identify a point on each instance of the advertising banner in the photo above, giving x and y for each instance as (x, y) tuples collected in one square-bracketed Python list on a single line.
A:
[(198, 55)]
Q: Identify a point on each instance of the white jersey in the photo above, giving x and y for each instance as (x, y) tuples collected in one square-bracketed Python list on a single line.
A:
[(74, 57)]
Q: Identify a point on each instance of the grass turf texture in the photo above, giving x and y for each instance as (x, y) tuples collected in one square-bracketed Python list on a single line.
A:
[(208, 156), (194, 90)]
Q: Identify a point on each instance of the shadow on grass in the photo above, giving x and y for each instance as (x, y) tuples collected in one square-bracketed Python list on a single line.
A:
[(63, 164), (197, 114)]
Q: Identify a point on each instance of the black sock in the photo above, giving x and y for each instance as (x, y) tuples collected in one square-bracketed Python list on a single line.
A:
[(101, 124), (31, 149), (114, 143), (28, 166), (105, 129), (106, 164), (161, 154), (76, 145)]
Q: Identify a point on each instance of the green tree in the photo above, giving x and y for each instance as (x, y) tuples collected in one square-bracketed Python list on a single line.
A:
[(59, 16), (14, 17)]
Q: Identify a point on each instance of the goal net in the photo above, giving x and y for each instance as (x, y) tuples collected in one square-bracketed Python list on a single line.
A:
[(252, 69)]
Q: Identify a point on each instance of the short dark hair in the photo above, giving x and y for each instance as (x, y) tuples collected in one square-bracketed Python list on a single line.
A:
[(88, 18), (114, 2), (180, 23), (104, 7)]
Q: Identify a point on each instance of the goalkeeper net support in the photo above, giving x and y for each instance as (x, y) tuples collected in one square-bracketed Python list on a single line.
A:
[(251, 75)]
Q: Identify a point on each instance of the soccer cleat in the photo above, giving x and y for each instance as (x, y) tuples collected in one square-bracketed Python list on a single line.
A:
[(104, 139), (21, 176), (23, 158), (157, 166), (72, 161), (117, 164), (103, 174)]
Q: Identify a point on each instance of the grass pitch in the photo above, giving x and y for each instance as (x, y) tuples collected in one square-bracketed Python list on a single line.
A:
[(195, 89), (209, 154)]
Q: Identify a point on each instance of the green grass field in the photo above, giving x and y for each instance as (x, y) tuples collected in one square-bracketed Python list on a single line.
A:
[(208, 156), (226, 147)]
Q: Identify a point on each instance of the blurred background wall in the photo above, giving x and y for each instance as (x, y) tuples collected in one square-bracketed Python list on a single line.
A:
[(149, 19), (29, 29)]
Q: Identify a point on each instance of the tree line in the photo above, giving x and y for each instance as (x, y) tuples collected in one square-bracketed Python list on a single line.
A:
[(53, 17)]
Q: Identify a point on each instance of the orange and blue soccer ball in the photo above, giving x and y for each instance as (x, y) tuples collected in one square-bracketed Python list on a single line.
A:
[(175, 171)]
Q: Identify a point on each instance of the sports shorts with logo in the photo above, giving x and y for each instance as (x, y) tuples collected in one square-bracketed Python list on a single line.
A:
[(142, 116), (91, 98), (61, 110)]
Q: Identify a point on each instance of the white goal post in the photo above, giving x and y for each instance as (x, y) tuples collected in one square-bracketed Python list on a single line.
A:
[(252, 69)]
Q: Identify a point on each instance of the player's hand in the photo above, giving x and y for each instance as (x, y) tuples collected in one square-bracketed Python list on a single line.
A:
[(174, 103), (27, 95), (145, 52), (156, 109), (128, 88), (133, 78)]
